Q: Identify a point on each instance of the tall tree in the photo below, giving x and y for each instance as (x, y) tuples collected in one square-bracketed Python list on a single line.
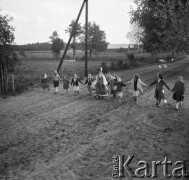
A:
[(57, 44), (8, 56), (76, 32), (136, 34), (96, 38), (165, 23)]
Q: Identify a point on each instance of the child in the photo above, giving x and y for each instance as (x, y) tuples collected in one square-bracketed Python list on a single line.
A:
[(114, 85), (93, 85), (66, 83), (75, 82), (44, 82), (178, 92), (136, 87), (120, 89), (56, 79), (159, 91), (89, 81)]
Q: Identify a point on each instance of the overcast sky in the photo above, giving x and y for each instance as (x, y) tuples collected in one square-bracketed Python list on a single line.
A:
[(35, 20)]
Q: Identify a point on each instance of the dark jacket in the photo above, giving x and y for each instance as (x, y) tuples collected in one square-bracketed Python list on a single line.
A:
[(66, 83), (159, 92), (89, 81), (76, 83), (120, 86), (178, 91)]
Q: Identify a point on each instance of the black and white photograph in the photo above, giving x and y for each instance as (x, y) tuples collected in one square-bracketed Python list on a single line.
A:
[(94, 89)]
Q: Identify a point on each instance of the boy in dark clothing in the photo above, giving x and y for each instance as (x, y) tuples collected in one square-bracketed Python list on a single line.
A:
[(75, 82), (89, 81)]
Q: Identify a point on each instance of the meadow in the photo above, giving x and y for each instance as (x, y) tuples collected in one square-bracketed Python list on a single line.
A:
[(29, 70)]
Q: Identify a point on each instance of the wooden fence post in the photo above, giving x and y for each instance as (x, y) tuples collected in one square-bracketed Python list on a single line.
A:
[(13, 88), (2, 80), (6, 80)]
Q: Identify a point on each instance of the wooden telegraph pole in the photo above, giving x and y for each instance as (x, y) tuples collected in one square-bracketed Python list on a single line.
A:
[(68, 44), (86, 39)]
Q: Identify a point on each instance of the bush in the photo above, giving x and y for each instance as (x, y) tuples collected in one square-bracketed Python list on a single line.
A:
[(112, 66), (118, 65), (140, 58), (67, 57), (105, 68), (132, 59), (125, 66)]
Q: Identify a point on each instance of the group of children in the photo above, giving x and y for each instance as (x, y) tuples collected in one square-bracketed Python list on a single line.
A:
[(114, 85), (66, 82)]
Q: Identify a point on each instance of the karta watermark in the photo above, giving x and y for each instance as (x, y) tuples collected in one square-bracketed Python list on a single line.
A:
[(144, 169)]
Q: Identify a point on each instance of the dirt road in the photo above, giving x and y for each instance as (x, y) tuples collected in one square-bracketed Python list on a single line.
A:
[(47, 136)]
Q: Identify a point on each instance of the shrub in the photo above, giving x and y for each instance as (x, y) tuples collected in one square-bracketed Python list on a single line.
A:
[(67, 57), (105, 68), (112, 66), (125, 66), (132, 59), (169, 57), (140, 58)]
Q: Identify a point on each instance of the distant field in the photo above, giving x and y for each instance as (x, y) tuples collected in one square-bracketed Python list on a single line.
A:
[(36, 63), (29, 72), (102, 56), (44, 55)]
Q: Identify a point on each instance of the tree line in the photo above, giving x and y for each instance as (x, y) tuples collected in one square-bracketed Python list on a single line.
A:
[(96, 39), (164, 24)]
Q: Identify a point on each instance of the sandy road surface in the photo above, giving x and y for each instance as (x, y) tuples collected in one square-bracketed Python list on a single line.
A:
[(47, 136)]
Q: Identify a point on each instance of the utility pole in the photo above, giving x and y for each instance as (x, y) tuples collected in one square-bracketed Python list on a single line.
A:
[(68, 44), (86, 39)]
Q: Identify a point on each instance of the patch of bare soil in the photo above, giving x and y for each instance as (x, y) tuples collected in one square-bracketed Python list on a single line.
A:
[(47, 136)]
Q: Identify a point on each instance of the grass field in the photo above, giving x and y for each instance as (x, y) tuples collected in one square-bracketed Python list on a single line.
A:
[(28, 73), (106, 56)]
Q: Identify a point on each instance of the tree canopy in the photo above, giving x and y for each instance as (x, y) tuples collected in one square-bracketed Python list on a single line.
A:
[(76, 31), (96, 38), (57, 43), (8, 57), (165, 24)]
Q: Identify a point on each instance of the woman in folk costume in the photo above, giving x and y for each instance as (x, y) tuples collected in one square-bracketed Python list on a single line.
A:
[(119, 90), (136, 87), (44, 82), (75, 82), (56, 79), (101, 84), (66, 83), (178, 92), (89, 81), (159, 91)]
